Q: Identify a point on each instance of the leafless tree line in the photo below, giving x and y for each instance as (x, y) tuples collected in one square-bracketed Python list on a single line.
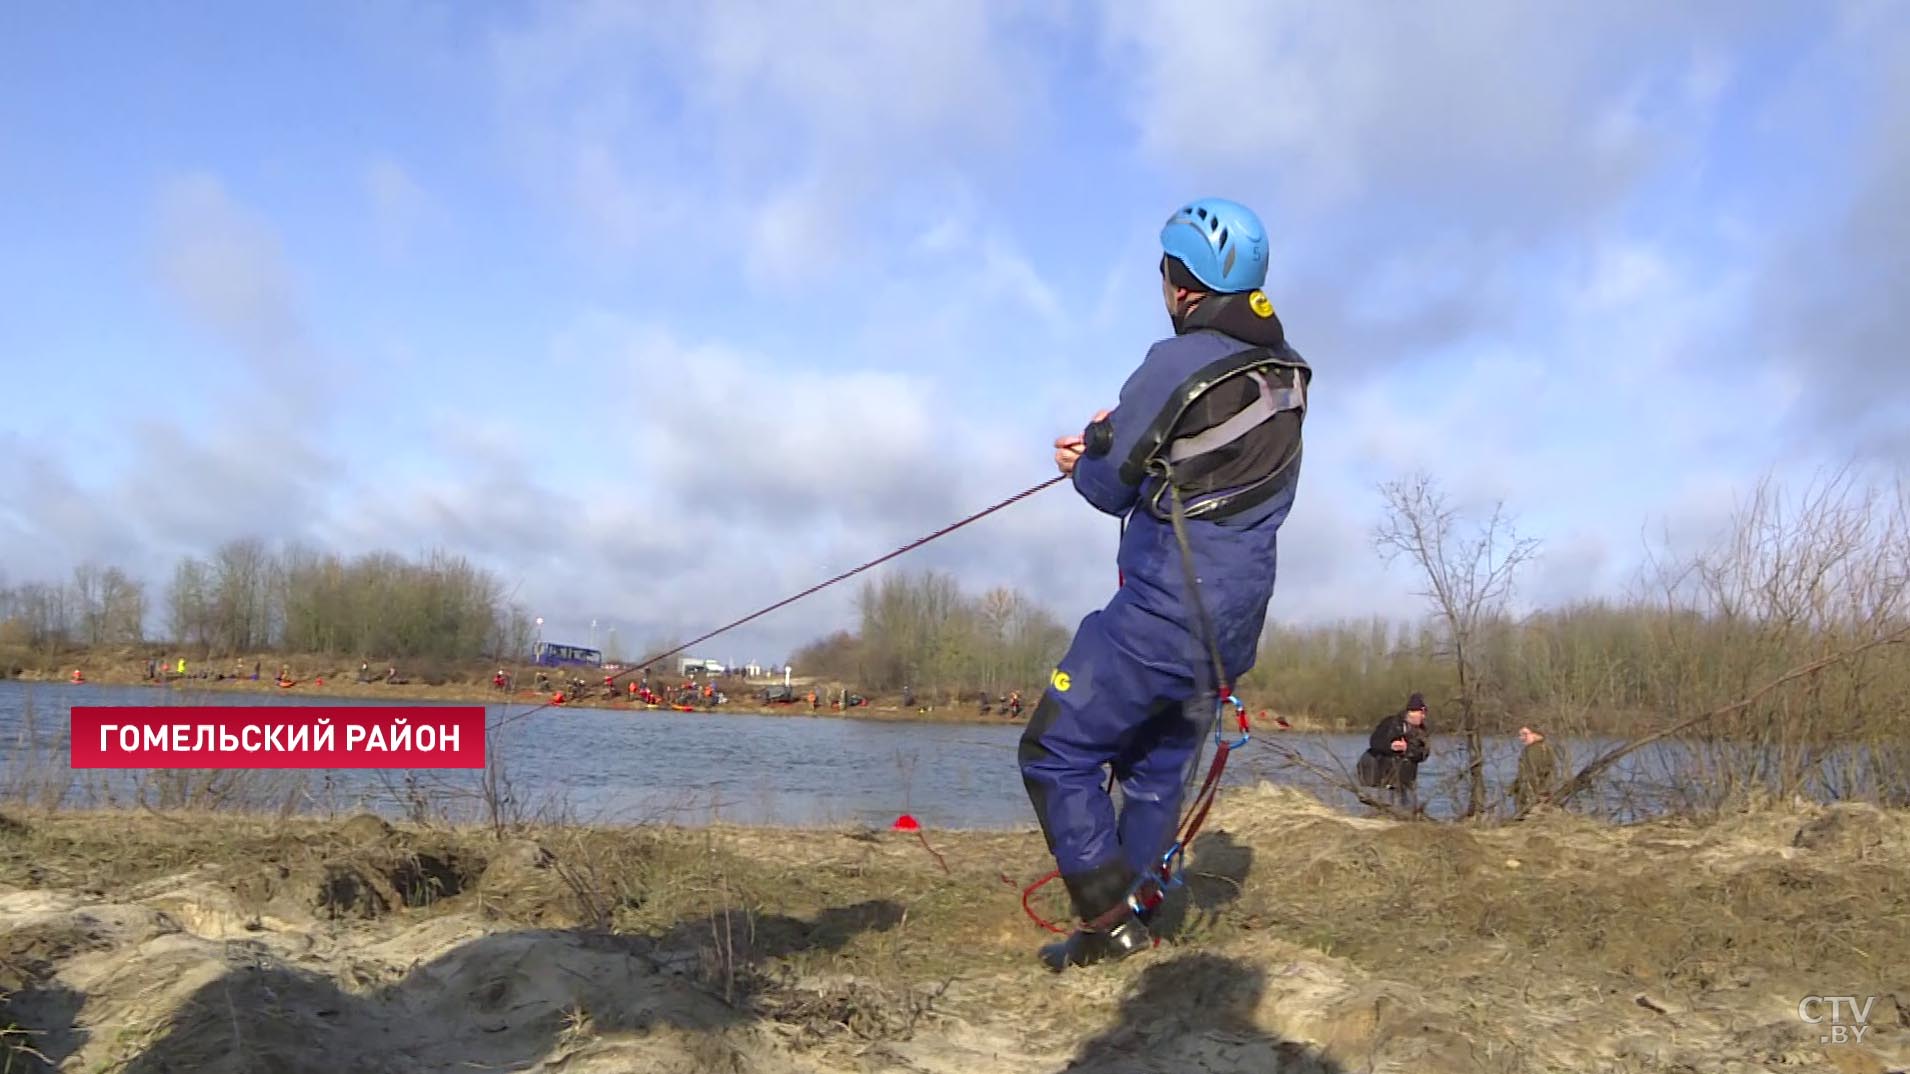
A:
[(247, 598), (924, 632), (1771, 662), (100, 606)]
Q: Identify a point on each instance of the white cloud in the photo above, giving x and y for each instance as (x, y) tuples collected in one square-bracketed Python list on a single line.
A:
[(1621, 274), (1514, 108), (709, 132), (1834, 274), (746, 479), (1424, 169), (400, 206), (226, 267)]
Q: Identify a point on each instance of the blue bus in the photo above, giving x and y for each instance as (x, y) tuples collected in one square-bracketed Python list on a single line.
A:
[(550, 655)]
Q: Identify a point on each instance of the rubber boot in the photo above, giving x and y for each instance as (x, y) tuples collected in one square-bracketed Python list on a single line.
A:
[(1095, 893)]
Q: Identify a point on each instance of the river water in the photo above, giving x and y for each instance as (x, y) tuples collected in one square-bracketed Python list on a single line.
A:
[(611, 766)]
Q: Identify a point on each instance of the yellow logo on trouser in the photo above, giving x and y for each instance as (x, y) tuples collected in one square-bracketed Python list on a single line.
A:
[(1059, 680)]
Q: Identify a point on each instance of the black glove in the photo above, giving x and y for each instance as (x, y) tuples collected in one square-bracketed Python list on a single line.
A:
[(1097, 438)]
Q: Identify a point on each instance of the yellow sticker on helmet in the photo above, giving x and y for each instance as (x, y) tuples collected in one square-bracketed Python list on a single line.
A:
[(1258, 302)]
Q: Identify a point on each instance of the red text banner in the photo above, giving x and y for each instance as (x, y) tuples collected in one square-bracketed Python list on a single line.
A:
[(278, 736)]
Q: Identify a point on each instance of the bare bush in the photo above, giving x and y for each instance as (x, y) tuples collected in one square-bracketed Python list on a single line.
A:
[(1781, 669), (1467, 572)]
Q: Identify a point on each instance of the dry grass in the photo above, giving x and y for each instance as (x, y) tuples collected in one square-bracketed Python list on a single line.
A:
[(854, 942), (1398, 895)]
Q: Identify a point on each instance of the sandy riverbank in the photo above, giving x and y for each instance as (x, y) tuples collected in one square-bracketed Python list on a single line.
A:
[(1309, 941)]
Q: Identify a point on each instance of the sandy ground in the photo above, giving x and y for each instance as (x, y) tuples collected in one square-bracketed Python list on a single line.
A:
[(1306, 940)]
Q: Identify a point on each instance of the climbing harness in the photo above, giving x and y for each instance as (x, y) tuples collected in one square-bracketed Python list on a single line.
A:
[(1207, 465), (817, 588), (1150, 889)]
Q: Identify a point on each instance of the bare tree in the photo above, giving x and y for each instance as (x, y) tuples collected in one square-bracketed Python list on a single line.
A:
[(40, 616), (87, 607), (1468, 572), (241, 578), (188, 604), (122, 608)]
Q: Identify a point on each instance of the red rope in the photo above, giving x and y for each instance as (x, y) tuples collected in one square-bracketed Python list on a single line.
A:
[(1029, 892), (1196, 816)]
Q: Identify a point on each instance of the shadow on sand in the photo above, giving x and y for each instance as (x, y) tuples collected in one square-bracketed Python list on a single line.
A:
[(1215, 873), (499, 1002), (1196, 1013)]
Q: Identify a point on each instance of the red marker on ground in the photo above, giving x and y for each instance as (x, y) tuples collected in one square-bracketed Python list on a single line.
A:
[(905, 823)]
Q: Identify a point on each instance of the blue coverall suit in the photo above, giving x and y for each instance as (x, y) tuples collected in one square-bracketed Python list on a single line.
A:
[(1133, 690)]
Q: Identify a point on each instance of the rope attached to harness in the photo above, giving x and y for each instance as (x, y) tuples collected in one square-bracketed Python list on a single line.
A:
[(1150, 890)]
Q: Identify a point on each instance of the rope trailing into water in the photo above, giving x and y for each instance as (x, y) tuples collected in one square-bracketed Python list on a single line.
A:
[(817, 588)]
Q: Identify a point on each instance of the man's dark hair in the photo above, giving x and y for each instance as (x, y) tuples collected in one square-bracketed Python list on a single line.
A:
[(1179, 274)]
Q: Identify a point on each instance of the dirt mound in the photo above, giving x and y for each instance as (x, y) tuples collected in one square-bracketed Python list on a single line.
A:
[(374, 883), (360, 873), (1855, 831)]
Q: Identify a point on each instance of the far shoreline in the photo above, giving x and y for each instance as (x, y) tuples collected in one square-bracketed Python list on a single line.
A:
[(468, 694)]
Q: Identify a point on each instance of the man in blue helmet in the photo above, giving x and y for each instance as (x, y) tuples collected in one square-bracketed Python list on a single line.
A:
[(1207, 428)]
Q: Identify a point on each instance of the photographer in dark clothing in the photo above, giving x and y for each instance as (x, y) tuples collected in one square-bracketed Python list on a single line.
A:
[(1399, 744)]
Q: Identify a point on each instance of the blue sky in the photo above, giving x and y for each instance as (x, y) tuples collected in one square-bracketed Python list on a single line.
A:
[(663, 311)]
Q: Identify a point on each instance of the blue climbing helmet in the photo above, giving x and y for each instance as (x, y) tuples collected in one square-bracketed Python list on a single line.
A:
[(1221, 242)]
